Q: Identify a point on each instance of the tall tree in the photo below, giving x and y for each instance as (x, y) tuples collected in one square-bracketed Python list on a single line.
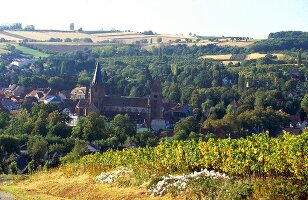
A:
[(90, 128)]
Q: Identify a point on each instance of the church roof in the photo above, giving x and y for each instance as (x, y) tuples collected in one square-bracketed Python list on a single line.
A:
[(125, 101), (97, 79)]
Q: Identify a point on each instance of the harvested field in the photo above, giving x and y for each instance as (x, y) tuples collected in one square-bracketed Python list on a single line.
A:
[(235, 43), (3, 51), (62, 47), (217, 57), (10, 38), (280, 56), (44, 36), (255, 56), (121, 37)]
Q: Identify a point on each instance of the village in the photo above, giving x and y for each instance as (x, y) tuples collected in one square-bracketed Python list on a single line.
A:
[(16, 97)]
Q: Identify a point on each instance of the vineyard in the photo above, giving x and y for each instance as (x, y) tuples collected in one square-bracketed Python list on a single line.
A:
[(257, 155)]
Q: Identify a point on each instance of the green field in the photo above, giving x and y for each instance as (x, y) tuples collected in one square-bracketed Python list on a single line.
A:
[(33, 52)]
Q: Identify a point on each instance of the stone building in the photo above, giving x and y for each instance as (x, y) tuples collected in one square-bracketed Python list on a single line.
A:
[(142, 110)]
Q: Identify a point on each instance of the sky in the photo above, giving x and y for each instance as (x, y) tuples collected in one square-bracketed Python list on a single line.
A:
[(249, 18)]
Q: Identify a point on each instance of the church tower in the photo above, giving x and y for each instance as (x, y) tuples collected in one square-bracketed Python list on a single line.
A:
[(156, 100), (97, 90)]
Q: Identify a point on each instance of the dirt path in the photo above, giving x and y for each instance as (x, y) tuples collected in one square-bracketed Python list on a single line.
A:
[(6, 196)]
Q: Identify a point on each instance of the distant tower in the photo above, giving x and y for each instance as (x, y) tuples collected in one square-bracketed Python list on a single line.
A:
[(156, 99), (97, 90), (72, 26)]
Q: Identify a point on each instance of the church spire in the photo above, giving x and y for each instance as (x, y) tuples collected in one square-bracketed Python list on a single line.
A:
[(97, 79)]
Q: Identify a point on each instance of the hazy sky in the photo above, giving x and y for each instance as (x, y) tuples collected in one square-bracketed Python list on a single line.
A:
[(254, 18)]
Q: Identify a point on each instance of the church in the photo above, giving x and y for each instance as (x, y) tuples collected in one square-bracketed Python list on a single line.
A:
[(147, 110)]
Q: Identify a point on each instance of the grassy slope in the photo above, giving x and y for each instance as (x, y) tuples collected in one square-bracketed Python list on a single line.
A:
[(29, 51), (55, 186), (25, 50), (2, 50)]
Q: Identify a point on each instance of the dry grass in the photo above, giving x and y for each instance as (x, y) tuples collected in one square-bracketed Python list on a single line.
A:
[(123, 37), (56, 185), (44, 36), (280, 56), (218, 57), (6, 37), (235, 43), (255, 56), (3, 51)]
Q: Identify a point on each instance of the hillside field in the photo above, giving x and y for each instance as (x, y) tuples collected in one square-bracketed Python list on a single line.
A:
[(235, 43), (2, 50), (228, 57), (29, 51), (121, 37), (218, 57)]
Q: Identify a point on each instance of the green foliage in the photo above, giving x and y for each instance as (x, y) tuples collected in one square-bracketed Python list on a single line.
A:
[(263, 119), (159, 39), (31, 166), (9, 144), (13, 167), (37, 147), (4, 119), (184, 127), (145, 138), (56, 125), (77, 152), (84, 78), (19, 124), (304, 103), (299, 57), (122, 127), (56, 147), (90, 128)]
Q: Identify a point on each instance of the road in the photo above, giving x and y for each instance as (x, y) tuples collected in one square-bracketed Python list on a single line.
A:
[(6, 196)]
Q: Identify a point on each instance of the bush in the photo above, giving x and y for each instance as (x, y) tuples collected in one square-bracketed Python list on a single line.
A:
[(13, 167), (37, 146), (31, 166), (77, 152)]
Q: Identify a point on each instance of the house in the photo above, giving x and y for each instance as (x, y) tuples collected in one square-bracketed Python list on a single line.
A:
[(15, 90), (64, 95), (181, 111), (92, 148), (302, 125), (79, 93), (52, 99), (48, 95), (142, 127), (22, 62), (295, 131), (22, 164), (9, 105), (73, 120), (38, 94)]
